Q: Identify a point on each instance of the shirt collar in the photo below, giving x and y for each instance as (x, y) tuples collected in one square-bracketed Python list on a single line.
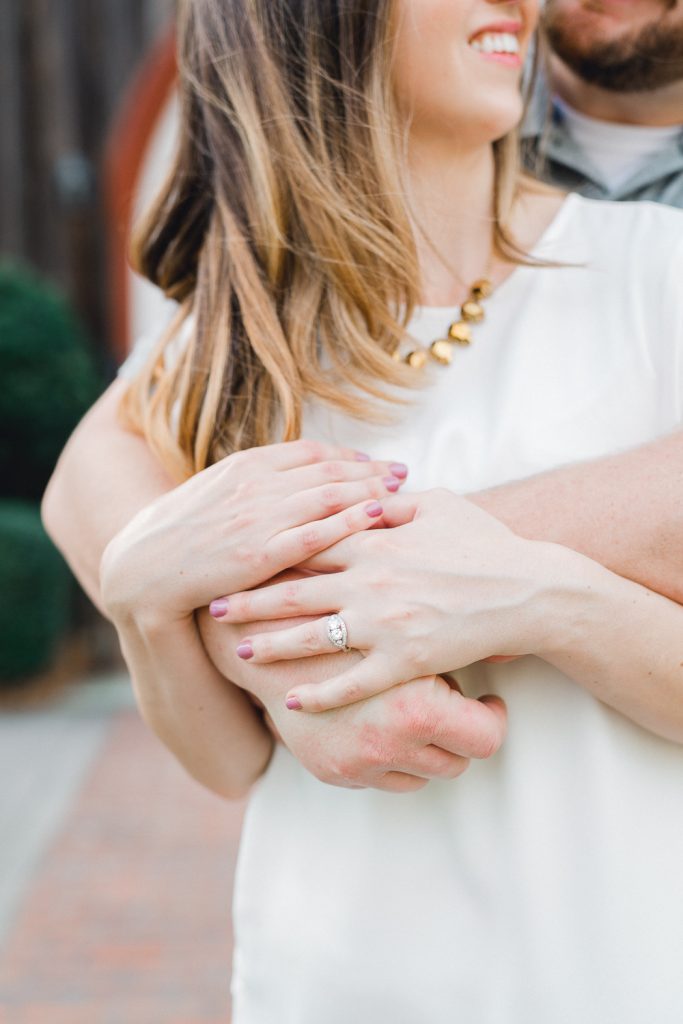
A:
[(544, 127)]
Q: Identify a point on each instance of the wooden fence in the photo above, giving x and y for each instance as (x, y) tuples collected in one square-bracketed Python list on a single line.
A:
[(64, 69)]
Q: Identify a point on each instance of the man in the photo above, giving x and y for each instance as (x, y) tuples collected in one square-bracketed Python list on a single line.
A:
[(618, 67), (615, 98)]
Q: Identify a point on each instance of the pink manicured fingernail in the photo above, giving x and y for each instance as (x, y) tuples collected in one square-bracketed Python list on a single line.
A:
[(219, 608), (398, 469), (245, 651), (294, 704), (392, 483), (374, 509), (362, 457)]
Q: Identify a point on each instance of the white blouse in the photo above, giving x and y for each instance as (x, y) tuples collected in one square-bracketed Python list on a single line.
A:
[(545, 886)]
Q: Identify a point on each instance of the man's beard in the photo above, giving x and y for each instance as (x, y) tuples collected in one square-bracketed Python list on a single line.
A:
[(647, 59)]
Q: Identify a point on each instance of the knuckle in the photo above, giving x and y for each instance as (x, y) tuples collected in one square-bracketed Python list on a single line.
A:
[(310, 451), (348, 771), (372, 747), (310, 539), (334, 470), (241, 608), (417, 718), (323, 773), (417, 654), (263, 646), (350, 519), (317, 705), (309, 639), (255, 558), (351, 692), (243, 521), (291, 594), (330, 500), (381, 579)]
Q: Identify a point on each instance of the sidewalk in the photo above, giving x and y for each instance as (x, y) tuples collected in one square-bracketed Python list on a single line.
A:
[(115, 871)]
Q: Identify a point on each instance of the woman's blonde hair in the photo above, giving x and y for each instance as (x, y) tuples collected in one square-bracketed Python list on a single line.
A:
[(283, 229)]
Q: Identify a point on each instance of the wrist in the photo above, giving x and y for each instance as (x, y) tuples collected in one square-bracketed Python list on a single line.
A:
[(566, 600), (130, 598), (149, 624)]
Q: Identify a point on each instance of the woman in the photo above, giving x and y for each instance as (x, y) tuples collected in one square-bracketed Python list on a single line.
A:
[(345, 184)]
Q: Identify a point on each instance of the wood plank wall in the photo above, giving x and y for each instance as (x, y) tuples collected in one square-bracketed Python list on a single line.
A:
[(64, 68)]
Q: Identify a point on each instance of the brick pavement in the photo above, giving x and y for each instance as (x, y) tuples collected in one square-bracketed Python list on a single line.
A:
[(126, 919)]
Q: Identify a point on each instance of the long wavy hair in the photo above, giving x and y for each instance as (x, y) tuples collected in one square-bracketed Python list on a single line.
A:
[(283, 229)]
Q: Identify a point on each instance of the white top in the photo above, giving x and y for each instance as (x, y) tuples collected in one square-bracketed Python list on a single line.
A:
[(616, 151), (545, 886)]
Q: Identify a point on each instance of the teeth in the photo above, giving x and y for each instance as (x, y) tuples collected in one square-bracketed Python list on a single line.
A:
[(496, 42)]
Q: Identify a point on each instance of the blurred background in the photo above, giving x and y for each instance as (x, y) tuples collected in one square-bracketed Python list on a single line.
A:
[(115, 869), (86, 131)]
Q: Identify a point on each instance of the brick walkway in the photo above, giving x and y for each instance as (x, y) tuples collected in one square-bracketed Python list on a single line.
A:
[(125, 919)]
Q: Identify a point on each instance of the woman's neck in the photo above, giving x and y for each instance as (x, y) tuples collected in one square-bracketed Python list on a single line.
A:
[(450, 195)]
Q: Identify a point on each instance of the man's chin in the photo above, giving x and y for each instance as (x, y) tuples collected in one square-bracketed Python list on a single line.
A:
[(634, 60)]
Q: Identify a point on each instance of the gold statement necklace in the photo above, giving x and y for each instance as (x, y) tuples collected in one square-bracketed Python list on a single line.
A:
[(459, 333)]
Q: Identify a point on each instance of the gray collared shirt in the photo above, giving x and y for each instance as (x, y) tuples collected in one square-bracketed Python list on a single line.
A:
[(550, 152)]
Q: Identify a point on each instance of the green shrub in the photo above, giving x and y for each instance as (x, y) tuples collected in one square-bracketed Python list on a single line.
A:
[(35, 593), (47, 381)]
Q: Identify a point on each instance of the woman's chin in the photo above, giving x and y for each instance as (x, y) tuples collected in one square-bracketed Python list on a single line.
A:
[(489, 122)]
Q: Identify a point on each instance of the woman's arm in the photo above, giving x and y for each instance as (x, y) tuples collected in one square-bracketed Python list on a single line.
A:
[(212, 727), (104, 476)]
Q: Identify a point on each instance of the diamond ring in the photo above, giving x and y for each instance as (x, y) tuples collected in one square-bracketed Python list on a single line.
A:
[(337, 632)]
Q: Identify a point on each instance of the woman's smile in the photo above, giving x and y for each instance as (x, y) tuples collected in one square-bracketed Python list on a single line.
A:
[(499, 42)]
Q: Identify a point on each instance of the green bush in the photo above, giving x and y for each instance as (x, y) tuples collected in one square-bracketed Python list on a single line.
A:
[(47, 381), (35, 593)]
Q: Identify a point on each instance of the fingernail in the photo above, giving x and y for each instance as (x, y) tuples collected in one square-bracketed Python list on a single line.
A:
[(362, 457), (398, 469), (392, 483), (294, 704), (374, 509), (245, 651), (219, 608)]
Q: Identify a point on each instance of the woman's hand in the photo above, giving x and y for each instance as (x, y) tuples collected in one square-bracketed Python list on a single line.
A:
[(237, 524), (448, 585)]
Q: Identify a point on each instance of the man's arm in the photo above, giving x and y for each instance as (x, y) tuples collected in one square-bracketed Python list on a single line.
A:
[(624, 511)]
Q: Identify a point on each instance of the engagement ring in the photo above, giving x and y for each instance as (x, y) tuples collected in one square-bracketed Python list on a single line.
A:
[(337, 632)]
